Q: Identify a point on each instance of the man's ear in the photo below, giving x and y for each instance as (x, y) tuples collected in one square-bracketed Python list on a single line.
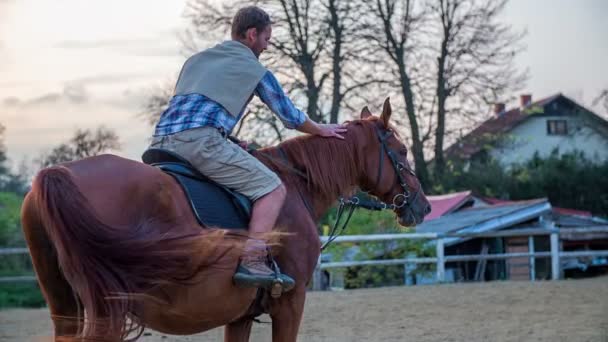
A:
[(251, 34), (386, 111), (365, 113)]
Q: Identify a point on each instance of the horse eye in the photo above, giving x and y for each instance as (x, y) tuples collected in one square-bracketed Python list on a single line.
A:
[(403, 152)]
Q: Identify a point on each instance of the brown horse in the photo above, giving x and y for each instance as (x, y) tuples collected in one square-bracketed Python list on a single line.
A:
[(116, 247)]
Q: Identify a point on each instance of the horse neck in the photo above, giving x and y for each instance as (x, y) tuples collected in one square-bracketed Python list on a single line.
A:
[(331, 168)]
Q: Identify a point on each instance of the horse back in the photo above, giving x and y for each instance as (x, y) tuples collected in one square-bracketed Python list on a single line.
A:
[(124, 192)]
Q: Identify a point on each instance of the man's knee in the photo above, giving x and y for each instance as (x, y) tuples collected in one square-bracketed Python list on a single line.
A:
[(280, 192)]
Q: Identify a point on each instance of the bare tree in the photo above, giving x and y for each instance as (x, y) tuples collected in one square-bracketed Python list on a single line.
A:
[(451, 59), (352, 59), (392, 26), (300, 40), (84, 143), (157, 101), (474, 61)]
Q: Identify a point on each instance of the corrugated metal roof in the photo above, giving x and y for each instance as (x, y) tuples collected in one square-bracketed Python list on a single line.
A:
[(556, 210), (485, 219)]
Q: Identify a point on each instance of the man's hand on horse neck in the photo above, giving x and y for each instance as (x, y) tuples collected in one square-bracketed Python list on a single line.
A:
[(323, 130)]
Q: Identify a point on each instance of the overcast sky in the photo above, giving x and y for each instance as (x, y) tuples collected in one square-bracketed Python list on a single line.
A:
[(68, 64)]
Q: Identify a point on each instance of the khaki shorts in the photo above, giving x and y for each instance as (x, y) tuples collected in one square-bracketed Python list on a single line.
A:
[(221, 160)]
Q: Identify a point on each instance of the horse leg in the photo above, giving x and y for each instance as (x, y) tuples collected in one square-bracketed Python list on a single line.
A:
[(287, 314), (238, 331), (60, 298)]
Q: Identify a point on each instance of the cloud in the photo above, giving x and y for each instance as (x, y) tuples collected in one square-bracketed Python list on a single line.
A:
[(11, 101), (160, 45), (74, 93), (95, 44), (44, 99), (112, 78)]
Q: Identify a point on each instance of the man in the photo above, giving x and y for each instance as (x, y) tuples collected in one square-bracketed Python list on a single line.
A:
[(211, 94)]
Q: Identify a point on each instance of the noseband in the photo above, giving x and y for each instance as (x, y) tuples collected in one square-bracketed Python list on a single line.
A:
[(401, 199)]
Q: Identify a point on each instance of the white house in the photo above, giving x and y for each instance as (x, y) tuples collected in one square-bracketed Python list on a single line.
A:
[(556, 122)]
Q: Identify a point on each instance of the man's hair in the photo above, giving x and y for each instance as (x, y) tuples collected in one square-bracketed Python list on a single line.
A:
[(248, 17)]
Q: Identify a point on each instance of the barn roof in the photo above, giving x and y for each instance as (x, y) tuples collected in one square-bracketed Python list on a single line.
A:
[(445, 204), (485, 219)]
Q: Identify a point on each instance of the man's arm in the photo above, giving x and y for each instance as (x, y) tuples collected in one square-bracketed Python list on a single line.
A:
[(271, 93)]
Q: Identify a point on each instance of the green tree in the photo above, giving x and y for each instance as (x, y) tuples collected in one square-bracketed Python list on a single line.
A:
[(9, 181), (10, 223), (569, 180), (3, 158)]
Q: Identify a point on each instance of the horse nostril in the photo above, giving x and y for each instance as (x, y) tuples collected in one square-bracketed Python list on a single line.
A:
[(427, 210)]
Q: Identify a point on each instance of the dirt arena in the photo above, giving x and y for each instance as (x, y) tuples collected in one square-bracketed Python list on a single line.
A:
[(575, 310)]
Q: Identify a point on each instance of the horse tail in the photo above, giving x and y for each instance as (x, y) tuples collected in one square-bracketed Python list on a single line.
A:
[(109, 266)]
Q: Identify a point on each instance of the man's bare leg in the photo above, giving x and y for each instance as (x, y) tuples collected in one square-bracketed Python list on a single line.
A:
[(266, 210)]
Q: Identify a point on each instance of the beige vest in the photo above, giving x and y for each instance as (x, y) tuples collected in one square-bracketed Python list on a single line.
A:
[(226, 73)]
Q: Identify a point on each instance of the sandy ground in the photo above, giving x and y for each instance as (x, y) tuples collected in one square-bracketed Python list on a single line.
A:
[(575, 310)]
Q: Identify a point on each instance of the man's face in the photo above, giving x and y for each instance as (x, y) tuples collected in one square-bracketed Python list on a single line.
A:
[(259, 41)]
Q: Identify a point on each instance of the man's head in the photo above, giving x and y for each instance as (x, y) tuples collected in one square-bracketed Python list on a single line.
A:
[(252, 27)]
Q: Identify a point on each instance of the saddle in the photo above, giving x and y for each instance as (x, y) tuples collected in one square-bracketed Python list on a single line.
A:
[(213, 205)]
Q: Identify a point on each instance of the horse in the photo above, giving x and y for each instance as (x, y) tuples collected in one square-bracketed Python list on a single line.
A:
[(116, 247)]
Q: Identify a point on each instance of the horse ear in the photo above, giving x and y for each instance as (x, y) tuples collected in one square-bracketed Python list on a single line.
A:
[(386, 111), (365, 113)]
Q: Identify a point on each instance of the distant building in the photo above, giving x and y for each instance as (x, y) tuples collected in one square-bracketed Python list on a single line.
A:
[(515, 135), (464, 212)]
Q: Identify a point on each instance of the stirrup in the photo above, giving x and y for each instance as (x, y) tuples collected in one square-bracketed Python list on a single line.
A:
[(276, 289), (278, 285)]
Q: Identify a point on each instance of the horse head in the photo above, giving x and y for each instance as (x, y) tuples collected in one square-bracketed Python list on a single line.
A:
[(387, 172)]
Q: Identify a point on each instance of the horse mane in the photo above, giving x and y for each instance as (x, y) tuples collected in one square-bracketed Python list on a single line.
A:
[(328, 167)]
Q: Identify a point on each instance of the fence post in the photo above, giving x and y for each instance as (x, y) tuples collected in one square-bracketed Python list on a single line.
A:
[(317, 277), (532, 259), (555, 262), (440, 261), (408, 270)]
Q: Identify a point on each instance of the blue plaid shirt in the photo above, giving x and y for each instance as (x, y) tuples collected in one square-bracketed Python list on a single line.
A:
[(196, 110)]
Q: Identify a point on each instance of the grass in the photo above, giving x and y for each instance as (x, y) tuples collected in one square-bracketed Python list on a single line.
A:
[(22, 295)]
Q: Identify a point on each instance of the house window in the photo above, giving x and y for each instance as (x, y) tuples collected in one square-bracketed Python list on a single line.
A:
[(557, 127)]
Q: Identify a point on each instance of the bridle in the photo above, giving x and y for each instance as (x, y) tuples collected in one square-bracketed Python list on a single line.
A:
[(399, 201)]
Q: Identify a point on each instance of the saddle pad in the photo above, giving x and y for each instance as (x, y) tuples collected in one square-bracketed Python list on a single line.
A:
[(212, 205)]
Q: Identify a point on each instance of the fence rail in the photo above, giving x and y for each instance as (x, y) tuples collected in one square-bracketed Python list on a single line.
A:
[(440, 260)]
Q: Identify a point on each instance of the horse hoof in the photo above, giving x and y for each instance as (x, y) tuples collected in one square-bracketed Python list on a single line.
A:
[(276, 289)]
